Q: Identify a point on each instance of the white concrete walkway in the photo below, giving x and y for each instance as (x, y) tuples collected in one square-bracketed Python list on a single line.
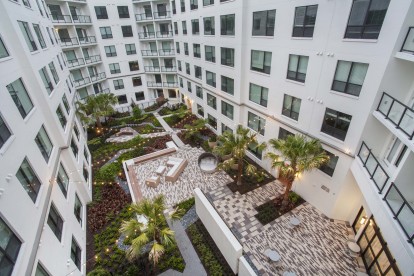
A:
[(174, 136)]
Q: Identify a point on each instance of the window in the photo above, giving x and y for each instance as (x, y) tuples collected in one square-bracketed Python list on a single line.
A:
[(74, 148), (86, 154), (173, 7), (210, 53), (139, 96), (252, 148), (329, 167), (211, 101), (43, 142), (195, 27), (60, 63), (50, 37), (212, 121), (187, 68), (101, 12), (44, 75), (349, 77), (283, 133), (9, 249), (189, 87), (118, 84), (208, 2), (227, 24), (28, 37), (61, 117), (123, 12), (186, 48), (199, 92), (85, 172), (110, 51), (78, 209), (264, 23), (366, 18), (256, 123), (40, 271), (130, 49), (179, 65), (182, 4), (197, 50), (66, 103), (29, 180), (227, 85), (261, 61), (200, 110), (336, 123), (193, 4), (39, 35), (52, 69), (227, 56), (177, 47), (106, 32), (258, 94), (136, 81), (184, 26), (211, 78), (209, 28), (176, 28), (198, 72), (122, 99), (291, 107), (126, 31), (20, 97), (304, 23), (76, 253), (62, 178), (297, 68), (225, 128), (133, 66), (26, 3), (114, 68), (76, 130), (3, 50), (227, 109), (4, 132), (181, 83)]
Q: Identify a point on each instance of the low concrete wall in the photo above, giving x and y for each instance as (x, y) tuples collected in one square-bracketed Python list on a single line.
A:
[(245, 268), (221, 234)]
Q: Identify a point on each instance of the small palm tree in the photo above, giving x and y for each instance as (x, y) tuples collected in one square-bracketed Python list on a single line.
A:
[(155, 231), (297, 155), (194, 129), (95, 107), (237, 144)]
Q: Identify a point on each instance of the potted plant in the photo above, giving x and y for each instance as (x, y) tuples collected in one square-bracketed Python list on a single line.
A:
[(212, 142), (226, 156)]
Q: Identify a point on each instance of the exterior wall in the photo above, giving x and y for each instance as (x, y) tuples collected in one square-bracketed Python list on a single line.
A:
[(244, 268)]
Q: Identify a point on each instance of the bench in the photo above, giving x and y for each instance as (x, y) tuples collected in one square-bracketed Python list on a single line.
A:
[(153, 155), (177, 167)]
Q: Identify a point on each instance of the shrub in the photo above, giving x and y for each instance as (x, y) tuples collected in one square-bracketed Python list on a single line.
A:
[(213, 139), (186, 205), (293, 197), (137, 113), (99, 271), (108, 172)]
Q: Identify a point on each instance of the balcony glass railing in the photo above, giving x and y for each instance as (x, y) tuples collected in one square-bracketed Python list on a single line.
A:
[(76, 62), (106, 90), (87, 40), (93, 59), (151, 68), (99, 76), (402, 210), (81, 19), (165, 34), (81, 82), (149, 53), (397, 113), (143, 16), (154, 84), (59, 18), (69, 41), (408, 45), (376, 172), (146, 35), (168, 69), (167, 52), (162, 15), (170, 84)]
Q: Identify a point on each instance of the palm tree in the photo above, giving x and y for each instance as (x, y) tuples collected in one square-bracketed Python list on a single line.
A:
[(95, 107), (297, 155), (194, 129), (155, 231), (237, 144)]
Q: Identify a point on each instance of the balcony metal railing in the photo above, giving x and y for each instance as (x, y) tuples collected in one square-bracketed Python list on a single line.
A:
[(76, 62), (57, 18), (98, 77), (143, 16), (149, 53), (165, 34), (146, 35), (81, 82), (397, 113), (154, 84), (67, 42), (87, 40), (402, 210), (168, 69), (81, 19), (106, 90), (170, 84), (93, 59), (376, 172), (151, 68), (162, 15), (167, 52), (408, 45)]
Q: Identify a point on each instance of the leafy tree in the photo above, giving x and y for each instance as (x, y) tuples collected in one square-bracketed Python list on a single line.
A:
[(237, 144), (296, 155), (96, 106)]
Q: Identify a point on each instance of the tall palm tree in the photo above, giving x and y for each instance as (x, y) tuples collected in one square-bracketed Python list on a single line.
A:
[(237, 144), (155, 231), (96, 106), (296, 155)]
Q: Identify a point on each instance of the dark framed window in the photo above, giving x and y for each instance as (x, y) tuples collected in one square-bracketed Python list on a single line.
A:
[(225, 128), (209, 28), (44, 144), (211, 101), (85, 172), (62, 179), (3, 50), (101, 12), (186, 49), (360, 220), (261, 61), (198, 72), (187, 68), (305, 18), (210, 53), (133, 66), (172, 93), (264, 23), (78, 209), (52, 69), (114, 68), (61, 117), (181, 82), (123, 11), (366, 18), (130, 49), (199, 92), (349, 77), (110, 51), (74, 148), (200, 110), (139, 96), (227, 24), (86, 154), (39, 35), (55, 222), (283, 133), (28, 179), (4, 132), (76, 253), (258, 94), (118, 84), (252, 148), (76, 130), (184, 26), (291, 107), (329, 168), (256, 122), (208, 2), (227, 110), (41, 271), (20, 97), (176, 28), (179, 65), (182, 5), (127, 31), (122, 99), (336, 123), (297, 68), (193, 4), (211, 78), (227, 85), (106, 32), (174, 9), (189, 87), (227, 56), (195, 27), (44, 75), (9, 249), (212, 121), (136, 81), (27, 34), (197, 50)]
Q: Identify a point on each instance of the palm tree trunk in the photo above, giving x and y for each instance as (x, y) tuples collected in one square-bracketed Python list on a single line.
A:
[(98, 121), (289, 184), (239, 171)]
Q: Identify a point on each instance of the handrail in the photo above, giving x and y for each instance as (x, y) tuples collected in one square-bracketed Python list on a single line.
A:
[(153, 84), (168, 69), (93, 59), (81, 19), (146, 35), (59, 18), (166, 52), (98, 76), (164, 34), (408, 45), (170, 84), (143, 16), (68, 41), (151, 68), (149, 53), (162, 15), (87, 39), (82, 81), (75, 62)]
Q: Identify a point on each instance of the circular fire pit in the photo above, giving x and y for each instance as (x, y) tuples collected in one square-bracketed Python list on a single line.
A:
[(208, 162)]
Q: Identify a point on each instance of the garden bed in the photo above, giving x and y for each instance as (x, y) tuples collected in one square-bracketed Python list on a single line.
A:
[(185, 205), (208, 252), (167, 111)]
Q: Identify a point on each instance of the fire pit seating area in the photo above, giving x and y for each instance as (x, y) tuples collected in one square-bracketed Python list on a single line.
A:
[(208, 162), (177, 167)]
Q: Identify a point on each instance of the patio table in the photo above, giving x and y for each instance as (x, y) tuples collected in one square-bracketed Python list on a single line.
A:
[(354, 247), (273, 255), (289, 273), (294, 221)]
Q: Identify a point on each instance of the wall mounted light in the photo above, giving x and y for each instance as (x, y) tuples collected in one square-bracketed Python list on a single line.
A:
[(363, 220)]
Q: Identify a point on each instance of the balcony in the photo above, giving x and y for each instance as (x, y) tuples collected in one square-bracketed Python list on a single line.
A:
[(170, 84), (81, 19), (162, 15), (61, 19), (167, 34), (93, 59), (149, 53), (143, 17), (151, 68), (82, 82), (407, 49), (87, 40), (69, 42), (76, 62), (98, 77), (400, 115), (152, 84), (167, 52), (104, 91), (168, 69), (146, 35)]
